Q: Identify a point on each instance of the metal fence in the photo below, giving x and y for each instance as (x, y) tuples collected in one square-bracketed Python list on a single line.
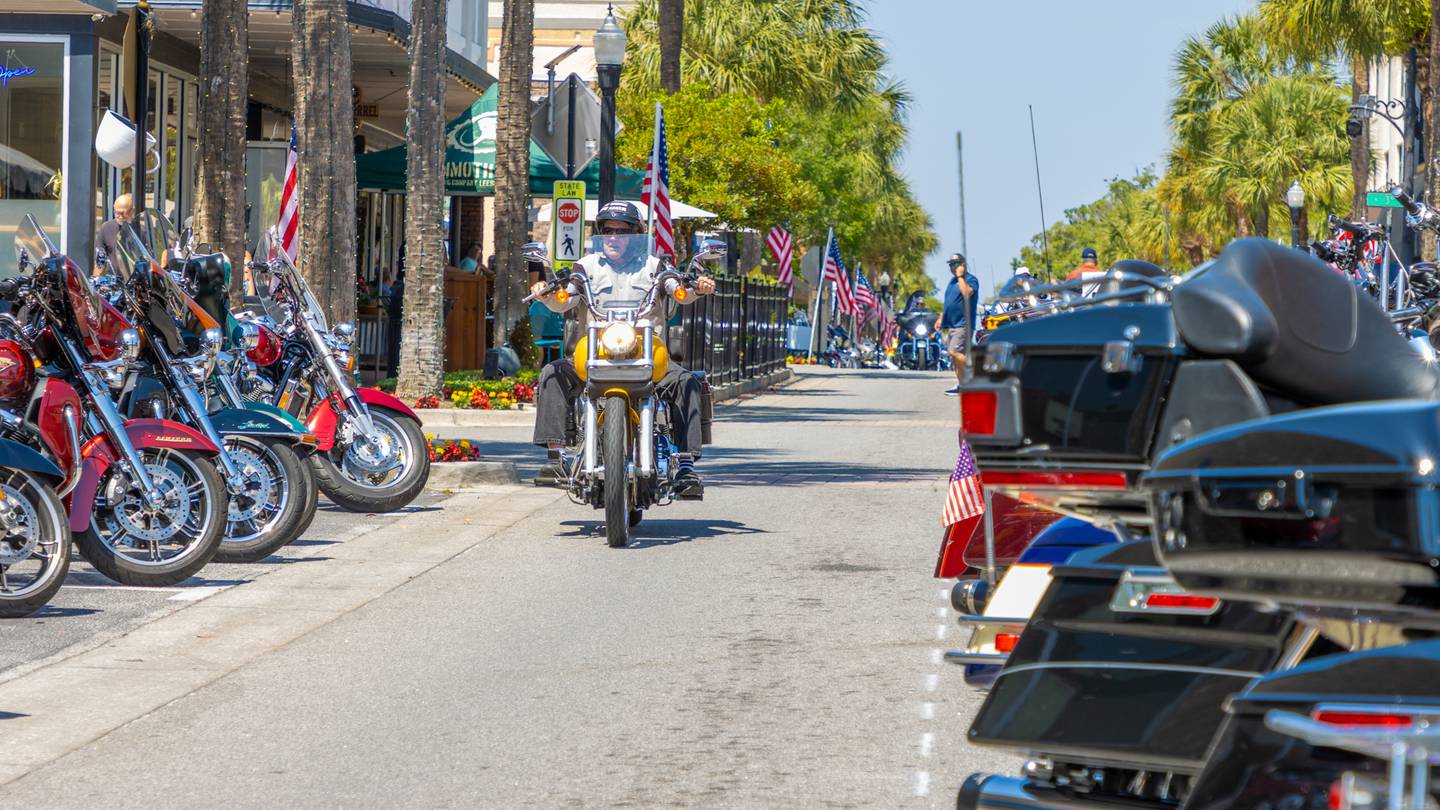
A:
[(736, 334)]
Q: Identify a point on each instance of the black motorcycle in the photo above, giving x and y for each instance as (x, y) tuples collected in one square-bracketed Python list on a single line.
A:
[(920, 347)]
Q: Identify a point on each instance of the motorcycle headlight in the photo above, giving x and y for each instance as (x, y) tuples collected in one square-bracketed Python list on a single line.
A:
[(921, 330), (618, 340)]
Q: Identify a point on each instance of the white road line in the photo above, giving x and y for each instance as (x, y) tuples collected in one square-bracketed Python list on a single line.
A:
[(931, 681), (927, 711), (118, 587), (944, 594), (937, 656), (942, 613), (940, 631), (196, 594), (922, 783), (927, 744)]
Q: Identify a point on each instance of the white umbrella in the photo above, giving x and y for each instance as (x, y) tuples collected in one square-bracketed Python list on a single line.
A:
[(678, 210)]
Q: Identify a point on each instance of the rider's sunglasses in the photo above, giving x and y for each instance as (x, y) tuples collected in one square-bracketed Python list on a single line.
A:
[(615, 231)]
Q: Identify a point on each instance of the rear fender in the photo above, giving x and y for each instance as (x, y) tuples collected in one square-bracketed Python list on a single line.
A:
[(302, 440), (250, 422), (99, 454)]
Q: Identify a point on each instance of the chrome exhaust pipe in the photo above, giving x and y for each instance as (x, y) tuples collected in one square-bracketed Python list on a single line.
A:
[(989, 792)]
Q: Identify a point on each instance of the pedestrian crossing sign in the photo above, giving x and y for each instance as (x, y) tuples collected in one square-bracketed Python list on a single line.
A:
[(567, 224)]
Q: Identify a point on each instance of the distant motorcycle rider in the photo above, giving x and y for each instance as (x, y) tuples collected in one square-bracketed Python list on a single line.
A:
[(623, 269)]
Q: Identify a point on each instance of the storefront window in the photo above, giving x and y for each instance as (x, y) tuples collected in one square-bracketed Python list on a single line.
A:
[(32, 105), (171, 200), (264, 180)]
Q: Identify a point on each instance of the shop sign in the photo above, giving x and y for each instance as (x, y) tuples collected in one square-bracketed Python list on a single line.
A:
[(7, 73)]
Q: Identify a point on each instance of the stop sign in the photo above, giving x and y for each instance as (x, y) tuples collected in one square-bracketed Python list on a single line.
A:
[(569, 213)]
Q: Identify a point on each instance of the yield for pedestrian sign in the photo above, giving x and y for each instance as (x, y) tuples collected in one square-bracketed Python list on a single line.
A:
[(567, 223)]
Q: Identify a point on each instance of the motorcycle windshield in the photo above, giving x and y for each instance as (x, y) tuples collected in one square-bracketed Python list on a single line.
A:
[(32, 245), (285, 280), (158, 236), (622, 274)]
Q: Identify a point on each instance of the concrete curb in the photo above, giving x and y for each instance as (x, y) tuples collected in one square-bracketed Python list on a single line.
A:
[(782, 377), (460, 474)]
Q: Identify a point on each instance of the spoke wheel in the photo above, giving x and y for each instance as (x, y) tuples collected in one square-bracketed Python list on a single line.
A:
[(138, 543), (269, 511), (385, 475), (34, 544)]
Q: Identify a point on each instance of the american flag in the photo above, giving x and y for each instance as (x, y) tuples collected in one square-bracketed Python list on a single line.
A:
[(966, 499), (836, 273), (888, 326), (865, 298), (655, 192), (783, 246), (290, 199)]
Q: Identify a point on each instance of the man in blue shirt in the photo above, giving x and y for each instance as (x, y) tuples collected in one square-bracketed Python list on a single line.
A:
[(957, 320)]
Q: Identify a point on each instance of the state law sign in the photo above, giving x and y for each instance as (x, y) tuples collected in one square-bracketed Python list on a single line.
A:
[(567, 224)]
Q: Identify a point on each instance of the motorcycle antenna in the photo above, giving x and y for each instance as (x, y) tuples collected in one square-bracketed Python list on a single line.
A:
[(1040, 192)]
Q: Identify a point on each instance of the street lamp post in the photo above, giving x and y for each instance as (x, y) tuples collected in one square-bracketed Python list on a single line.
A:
[(609, 57), (1295, 198)]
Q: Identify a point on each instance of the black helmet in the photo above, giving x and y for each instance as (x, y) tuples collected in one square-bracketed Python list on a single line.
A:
[(619, 211)]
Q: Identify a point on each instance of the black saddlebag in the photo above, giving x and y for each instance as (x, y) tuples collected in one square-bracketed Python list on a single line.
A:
[(1332, 507), (1119, 667)]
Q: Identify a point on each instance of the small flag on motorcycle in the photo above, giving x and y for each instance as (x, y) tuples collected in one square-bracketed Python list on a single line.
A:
[(966, 498)]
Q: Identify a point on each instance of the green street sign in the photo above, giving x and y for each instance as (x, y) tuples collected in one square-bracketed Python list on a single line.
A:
[(1381, 199)]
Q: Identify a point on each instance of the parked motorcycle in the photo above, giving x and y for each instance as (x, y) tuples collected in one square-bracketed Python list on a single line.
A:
[(628, 457), (148, 507), (271, 493), (1070, 411), (840, 351), (371, 454)]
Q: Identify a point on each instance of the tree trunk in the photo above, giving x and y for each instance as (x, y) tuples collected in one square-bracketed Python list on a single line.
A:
[(325, 121), (1359, 147), (422, 341), (512, 163), (671, 22), (1429, 124), (220, 150)]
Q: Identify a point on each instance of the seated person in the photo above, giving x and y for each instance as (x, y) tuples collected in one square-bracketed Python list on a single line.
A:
[(622, 264)]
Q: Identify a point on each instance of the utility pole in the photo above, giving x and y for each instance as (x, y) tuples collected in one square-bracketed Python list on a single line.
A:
[(960, 162)]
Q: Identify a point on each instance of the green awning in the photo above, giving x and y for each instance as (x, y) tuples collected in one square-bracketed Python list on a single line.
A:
[(470, 160)]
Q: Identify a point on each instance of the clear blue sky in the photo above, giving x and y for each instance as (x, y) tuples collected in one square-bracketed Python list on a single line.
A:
[(1098, 74)]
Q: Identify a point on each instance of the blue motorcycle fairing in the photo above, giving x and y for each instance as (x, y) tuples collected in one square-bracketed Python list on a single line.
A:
[(19, 456), (249, 421)]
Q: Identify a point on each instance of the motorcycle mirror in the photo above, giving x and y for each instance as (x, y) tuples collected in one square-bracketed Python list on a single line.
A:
[(711, 249), (130, 344), (345, 332), (210, 340), (249, 336), (535, 252)]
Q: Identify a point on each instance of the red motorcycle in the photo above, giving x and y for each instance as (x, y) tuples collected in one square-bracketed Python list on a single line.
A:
[(147, 506)]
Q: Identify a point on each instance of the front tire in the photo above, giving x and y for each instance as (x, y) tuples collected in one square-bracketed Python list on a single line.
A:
[(343, 476), (614, 452), (35, 551), (133, 547), (262, 522)]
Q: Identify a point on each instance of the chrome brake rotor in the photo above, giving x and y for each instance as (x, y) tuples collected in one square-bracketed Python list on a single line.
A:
[(377, 456), (140, 523), (20, 520), (258, 483)]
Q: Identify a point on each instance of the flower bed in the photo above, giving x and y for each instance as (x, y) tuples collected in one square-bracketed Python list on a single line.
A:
[(792, 360), (443, 450), (469, 389)]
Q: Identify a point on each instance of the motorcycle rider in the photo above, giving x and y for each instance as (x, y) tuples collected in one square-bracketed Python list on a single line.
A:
[(621, 265)]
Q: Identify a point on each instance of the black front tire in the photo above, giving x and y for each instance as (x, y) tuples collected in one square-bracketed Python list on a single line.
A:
[(291, 520), (52, 529), (636, 515), (392, 495), (614, 453)]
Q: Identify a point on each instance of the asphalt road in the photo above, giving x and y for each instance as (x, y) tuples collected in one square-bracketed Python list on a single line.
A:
[(777, 645)]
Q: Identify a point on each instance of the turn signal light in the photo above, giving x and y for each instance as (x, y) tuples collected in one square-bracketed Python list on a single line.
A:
[(681, 294), (562, 296), (1005, 642), (1181, 601), (977, 412), (1363, 719), (1053, 480)]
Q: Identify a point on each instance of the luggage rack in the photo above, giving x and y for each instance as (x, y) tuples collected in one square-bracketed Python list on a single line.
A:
[(1069, 295), (1410, 748)]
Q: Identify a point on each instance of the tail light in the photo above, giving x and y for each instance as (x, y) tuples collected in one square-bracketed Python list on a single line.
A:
[(267, 348), (1005, 642), (977, 412), (1054, 480), (1178, 602), (1363, 719)]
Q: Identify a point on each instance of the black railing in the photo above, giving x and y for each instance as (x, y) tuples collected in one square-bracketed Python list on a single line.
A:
[(736, 334)]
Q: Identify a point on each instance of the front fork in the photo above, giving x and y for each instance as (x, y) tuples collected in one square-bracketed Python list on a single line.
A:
[(200, 415), (645, 464)]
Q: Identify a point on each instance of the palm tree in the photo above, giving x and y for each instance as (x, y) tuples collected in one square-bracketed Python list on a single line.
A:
[(816, 52), (671, 23), (422, 341), (324, 119), (512, 161), (1360, 30), (220, 150)]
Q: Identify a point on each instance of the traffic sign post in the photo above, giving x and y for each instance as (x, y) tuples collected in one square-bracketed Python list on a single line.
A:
[(567, 224)]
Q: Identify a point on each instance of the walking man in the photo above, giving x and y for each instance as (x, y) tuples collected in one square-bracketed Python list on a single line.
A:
[(958, 318)]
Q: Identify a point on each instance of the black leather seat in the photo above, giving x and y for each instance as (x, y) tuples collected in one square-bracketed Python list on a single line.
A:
[(209, 274), (1297, 326)]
